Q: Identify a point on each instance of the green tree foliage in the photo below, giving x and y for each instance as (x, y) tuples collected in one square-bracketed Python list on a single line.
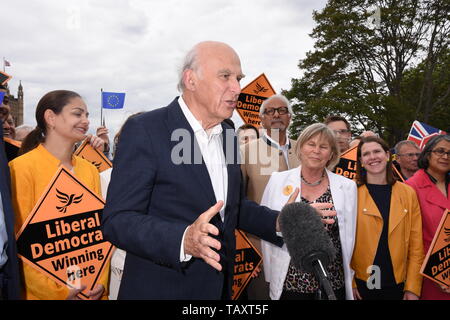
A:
[(380, 63)]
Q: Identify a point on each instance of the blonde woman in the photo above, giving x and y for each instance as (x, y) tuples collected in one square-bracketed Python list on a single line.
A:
[(318, 153)]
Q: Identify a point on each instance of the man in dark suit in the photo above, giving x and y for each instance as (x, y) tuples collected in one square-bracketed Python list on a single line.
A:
[(9, 267), (176, 194)]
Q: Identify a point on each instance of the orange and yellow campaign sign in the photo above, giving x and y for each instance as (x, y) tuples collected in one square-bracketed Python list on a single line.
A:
[(436, 265), (247, 259), (347, 164), (94, 156), (62, 238), (251, 98)]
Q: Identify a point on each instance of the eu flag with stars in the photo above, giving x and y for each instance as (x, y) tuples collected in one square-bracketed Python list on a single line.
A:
[(113, 100)]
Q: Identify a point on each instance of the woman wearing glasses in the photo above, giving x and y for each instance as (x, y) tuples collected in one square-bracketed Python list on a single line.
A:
[(431, 183)]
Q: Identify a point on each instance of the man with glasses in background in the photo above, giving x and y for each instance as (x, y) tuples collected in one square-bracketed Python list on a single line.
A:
[(273, 151), (341, 128), (407, 154)]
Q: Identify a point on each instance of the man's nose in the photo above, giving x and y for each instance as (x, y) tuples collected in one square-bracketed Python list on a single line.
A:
[(235, 87)]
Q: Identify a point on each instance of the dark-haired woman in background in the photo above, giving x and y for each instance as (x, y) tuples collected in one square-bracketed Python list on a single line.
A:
[(62, 120), (388, 250), (431, 183)]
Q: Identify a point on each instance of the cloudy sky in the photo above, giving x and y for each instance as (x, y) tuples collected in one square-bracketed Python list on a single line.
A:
[(136, 46)]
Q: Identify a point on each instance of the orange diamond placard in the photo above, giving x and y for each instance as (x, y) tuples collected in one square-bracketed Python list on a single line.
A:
[(347, 164), (97, 158), (247, 259), (62, 238), (436, 265), (251, 98)]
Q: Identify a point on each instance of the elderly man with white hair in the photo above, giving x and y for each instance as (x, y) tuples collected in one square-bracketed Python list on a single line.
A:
[(272, 152)]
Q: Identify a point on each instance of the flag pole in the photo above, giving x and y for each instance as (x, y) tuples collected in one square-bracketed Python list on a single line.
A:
[(3, 64), (101, 106)]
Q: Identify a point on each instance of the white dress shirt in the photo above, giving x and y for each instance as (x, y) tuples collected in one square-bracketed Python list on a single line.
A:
[(284, 148), (210, 143)]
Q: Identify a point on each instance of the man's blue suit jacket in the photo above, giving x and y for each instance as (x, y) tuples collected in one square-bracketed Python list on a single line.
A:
[(11, 291), (151, 201)]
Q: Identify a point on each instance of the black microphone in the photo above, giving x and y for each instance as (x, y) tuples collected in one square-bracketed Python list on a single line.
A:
[(307, 242)]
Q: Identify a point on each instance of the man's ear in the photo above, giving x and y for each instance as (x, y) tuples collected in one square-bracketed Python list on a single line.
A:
[(190, 79)]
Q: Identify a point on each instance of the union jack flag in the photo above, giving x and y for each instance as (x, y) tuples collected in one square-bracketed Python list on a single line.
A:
[(421, 133)]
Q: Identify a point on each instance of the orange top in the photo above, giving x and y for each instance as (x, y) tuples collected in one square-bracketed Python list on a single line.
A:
[(30, 175)]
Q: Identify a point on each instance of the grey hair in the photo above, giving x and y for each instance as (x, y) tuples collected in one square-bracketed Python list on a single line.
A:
[(189, 63), (25, 127), (24, 130), (327, 134), (404, 143), (275, 96)]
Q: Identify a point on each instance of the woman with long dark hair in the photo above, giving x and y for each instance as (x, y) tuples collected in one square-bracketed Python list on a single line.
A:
[(62, 121), (388, 250)]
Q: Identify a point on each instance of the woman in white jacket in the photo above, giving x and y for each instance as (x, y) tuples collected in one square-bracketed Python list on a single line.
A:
[(318, 152)]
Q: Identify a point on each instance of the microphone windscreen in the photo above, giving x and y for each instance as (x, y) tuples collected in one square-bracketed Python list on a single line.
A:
[(305, 235)]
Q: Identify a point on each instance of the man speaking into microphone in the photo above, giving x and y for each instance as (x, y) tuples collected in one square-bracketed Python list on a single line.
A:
[(176, 194), (322, 193)]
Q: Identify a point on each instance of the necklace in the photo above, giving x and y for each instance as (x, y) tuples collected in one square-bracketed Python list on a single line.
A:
[(313, 184)]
